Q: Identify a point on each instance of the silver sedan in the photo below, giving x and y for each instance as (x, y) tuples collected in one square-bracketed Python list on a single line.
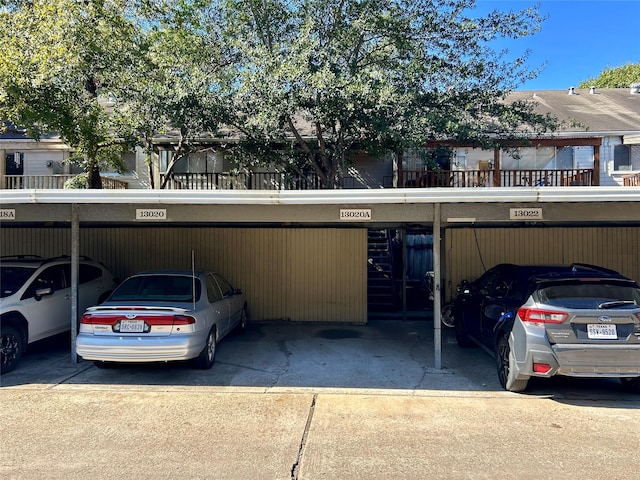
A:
[(162, 316)]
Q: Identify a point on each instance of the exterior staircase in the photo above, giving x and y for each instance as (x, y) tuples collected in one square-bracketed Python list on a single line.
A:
[(381, 285)]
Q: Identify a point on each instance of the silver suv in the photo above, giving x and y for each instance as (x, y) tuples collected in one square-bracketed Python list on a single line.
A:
[(35, 299), (543, 320)]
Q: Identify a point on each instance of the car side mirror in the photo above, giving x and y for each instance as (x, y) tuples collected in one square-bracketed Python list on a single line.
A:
[(41, 292)]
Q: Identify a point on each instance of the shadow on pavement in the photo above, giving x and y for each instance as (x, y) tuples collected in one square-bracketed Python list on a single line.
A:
[(384, 354)]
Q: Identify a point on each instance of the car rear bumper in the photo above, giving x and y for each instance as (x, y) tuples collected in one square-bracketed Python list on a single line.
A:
[(137, 348), (585, 360)]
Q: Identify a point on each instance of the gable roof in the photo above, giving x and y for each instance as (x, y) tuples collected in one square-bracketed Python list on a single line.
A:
[(606, 110)]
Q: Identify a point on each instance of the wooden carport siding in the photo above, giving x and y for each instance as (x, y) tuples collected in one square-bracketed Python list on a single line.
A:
[(294, 253), (307, 275)]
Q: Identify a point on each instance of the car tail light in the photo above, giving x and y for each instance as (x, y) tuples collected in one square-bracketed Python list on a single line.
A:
[(541, 367), (91, 319), (535, 315), (183, 320)]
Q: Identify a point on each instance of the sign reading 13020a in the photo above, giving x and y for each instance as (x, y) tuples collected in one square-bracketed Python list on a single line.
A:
[(151, 214), (355, 214)]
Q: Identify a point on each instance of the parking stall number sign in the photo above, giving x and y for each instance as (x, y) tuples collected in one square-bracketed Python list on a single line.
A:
[(525, 214), (355, 214), (151, 214), (7, 214)]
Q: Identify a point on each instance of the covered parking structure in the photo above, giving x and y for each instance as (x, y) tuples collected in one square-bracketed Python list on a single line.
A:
[(302, 255)]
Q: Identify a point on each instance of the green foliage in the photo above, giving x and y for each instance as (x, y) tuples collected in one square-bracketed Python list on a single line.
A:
[(304, 83), (617, 77), (60, 61), (372, 75)]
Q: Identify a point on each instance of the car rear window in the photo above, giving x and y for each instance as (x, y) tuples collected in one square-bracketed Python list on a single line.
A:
[(165, 288), (600, 294)]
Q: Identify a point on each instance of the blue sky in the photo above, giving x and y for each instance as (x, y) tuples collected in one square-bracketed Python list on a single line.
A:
[(579, 39)]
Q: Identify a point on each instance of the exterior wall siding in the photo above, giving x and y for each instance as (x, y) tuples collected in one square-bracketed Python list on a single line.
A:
[(468, 252), (306, 275)]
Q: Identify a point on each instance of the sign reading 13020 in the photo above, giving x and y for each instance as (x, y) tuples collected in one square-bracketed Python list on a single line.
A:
[(525, 214), (151, 214)]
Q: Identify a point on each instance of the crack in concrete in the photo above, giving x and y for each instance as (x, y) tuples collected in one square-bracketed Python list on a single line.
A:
[(65, 379), (295, 468), (282, 346)]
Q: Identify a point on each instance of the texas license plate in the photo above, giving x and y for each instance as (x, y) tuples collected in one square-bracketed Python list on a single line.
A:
[(131, 326), (602, 331)]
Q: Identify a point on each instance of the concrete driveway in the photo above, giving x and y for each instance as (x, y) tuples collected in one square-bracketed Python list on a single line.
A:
[(289, 401)]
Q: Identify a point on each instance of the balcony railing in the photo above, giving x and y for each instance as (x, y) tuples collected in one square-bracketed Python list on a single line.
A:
[(492, 178), (241, 181), (13, 182), (284, 181), (632, 180)]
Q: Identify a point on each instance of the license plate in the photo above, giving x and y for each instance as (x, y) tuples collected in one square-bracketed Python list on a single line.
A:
[(131, 326), (602, 331)]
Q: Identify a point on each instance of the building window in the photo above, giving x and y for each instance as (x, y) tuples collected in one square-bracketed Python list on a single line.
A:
[(621, 157), (14, 164), (165, 159)]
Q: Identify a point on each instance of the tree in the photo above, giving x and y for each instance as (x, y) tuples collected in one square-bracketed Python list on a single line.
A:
[(180, 94), (374, 75), (62, 63), (616, 77)]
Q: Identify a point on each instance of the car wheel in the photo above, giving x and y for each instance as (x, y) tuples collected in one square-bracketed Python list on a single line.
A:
[(506, 370), (206, 358), (461, 333), (447, 317), (242, 325), (631, 384), (11, 347)]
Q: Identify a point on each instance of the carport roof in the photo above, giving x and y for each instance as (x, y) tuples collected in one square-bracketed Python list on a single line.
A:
[(313, 197), (490, 206)]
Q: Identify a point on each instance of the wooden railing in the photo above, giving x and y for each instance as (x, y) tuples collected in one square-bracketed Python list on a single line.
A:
[(632, 180), (18, 182), (492, 178), (241, 181)]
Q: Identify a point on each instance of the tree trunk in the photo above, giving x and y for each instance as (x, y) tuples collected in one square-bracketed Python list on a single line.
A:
[(95, 181)]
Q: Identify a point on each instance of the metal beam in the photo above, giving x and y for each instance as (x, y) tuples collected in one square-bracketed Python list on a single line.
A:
[(437, 324), (75, 262)]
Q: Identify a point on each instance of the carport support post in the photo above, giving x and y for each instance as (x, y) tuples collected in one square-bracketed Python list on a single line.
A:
[(75, 255), (437, 324)]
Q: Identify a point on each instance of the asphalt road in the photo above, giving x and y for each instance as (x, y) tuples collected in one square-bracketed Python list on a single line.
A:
[(295, 402)]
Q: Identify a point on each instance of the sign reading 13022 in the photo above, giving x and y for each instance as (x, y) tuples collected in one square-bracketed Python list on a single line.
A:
[(151, 214), (525, 214)]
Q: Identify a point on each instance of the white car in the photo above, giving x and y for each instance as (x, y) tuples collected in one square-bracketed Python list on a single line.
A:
[(162, 316), (35, 300)]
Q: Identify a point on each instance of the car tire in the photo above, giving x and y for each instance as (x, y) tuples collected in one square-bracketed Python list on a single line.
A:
[(631, 384), (462, 337), (446, 316), (506, 371), (207, 356), (12, 347), (242, 325)]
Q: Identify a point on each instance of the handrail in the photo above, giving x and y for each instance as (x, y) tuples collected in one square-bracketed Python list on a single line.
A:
[(57, 181), (493, 178), (632, 180)]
